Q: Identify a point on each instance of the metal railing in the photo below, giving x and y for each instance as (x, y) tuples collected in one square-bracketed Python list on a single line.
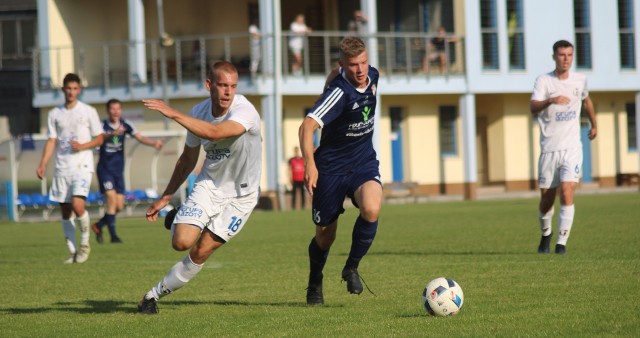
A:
[(112, 64)]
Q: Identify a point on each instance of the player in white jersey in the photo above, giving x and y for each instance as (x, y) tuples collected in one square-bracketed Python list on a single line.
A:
[(227, 126), (74, 129), (558, 98)]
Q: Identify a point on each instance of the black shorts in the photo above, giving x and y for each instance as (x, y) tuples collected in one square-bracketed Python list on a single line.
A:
[(110, 181), (331, 190)]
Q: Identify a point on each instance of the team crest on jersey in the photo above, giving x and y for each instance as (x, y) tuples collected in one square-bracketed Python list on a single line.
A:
[(373, 89)]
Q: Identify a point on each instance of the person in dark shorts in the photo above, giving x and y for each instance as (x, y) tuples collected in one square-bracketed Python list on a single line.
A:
[(344, 164)]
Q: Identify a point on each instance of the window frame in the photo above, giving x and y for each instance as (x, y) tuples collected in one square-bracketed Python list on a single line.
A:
[(516, 35), (489, 35), (448, 114), (632, 133), (583, 51), (626, 23)]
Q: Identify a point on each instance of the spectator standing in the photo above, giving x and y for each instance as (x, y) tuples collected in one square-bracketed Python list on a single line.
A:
[(256, 53), (296, 171), (358, 26), (296, 42)]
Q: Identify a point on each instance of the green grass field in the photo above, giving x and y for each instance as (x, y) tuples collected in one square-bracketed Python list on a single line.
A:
[(255, 285)]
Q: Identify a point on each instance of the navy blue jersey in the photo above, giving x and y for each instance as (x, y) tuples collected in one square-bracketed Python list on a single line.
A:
[(112, 150), (346, 116)]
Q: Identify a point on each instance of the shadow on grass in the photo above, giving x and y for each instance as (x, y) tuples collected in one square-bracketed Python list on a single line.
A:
[(109, 306), (441, 253)]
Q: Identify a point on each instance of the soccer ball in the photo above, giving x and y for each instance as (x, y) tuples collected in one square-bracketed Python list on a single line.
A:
[(442, 297)]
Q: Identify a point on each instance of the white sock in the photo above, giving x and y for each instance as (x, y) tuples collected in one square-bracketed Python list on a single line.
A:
[(565, 221), (545, 221), (83, 224), (178, 276), (69, 230)]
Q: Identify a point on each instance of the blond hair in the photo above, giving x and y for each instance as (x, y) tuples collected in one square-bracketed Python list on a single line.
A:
[(351, 46)]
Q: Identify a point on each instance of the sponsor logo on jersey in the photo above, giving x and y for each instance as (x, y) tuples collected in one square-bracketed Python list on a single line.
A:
[(361, 128), (365, 113), (566, 116), (190, 211), (355, 106), (218, 154)]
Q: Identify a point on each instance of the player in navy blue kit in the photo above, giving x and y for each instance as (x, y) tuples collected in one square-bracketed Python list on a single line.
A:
[(344, 165), (111, 166)]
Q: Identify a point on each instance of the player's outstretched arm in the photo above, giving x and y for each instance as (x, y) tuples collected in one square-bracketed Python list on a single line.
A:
[(198, 127), (158, 144)]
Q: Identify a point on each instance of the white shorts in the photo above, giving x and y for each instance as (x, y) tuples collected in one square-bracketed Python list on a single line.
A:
[(65, 187), (559, 166), (223, 216)]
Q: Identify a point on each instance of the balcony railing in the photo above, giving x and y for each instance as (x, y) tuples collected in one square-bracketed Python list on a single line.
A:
[(117, 63)]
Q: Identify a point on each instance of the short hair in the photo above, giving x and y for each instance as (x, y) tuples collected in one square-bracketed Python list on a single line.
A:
[(351, 46), (71, 77), (561, 44), (112, 101), (221, 66)]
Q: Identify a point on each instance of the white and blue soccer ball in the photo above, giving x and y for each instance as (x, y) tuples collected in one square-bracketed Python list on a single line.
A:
[(442, 297)]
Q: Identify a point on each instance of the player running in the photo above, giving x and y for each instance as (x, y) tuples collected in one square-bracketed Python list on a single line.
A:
[(111, 166), (227, 189), (344, 164)]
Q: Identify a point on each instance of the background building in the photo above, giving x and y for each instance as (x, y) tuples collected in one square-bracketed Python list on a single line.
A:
[(455, 131)]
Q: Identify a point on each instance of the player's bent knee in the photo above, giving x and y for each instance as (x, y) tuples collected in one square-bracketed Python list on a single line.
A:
[(370, 213), (182, 243)]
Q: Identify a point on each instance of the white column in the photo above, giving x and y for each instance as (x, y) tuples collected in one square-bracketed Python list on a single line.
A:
[(503, 37), (468, 114), (272, 103), (43, 43), (137, 50), (369, 9)]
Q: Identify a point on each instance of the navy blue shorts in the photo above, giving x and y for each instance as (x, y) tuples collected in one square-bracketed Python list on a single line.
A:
[(110, 181), (331, 190)]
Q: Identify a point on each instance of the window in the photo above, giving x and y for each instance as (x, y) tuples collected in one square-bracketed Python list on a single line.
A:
[(489, 30), (17, 38), (516, 34), (582, 20), (448, 117), (625, 24), (631, 127)]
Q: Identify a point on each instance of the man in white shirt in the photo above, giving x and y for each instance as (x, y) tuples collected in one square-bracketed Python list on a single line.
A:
[(74, 129), (557, 100), (227, 126)]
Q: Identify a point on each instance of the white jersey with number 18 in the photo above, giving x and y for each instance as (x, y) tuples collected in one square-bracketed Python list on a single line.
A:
[(234, 164)]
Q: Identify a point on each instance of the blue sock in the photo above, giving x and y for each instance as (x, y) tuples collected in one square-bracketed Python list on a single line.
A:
[(317, 259), (363, 234), (102, 222), (111, 223)]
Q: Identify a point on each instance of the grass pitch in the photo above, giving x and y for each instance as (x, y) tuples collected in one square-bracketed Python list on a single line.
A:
[(255, 285)]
